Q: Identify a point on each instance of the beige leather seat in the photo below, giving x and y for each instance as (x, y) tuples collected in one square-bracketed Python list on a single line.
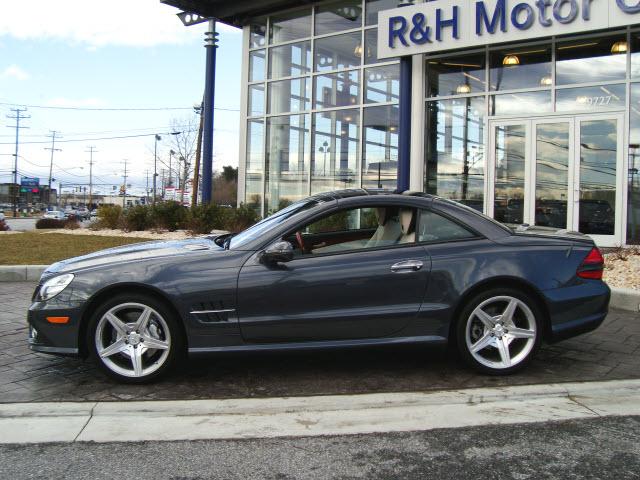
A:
[(388, 231), (407, 224)]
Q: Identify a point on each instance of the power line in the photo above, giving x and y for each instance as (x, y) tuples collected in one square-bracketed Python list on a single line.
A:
[(114, 109), (91, 139)]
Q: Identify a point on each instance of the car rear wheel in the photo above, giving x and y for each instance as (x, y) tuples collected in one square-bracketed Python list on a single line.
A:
[(134, 338), (499, 331)]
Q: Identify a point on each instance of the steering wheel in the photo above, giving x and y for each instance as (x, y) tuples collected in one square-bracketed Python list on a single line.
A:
[(300, 241)]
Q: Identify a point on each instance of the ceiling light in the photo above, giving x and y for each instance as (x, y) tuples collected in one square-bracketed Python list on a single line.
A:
[(511, 60), (358, 51), (619, 47), (463, 88), (546, 81)]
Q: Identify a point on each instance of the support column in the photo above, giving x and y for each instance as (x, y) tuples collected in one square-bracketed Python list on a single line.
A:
[(418, 106), (209, 95), (404, 124)]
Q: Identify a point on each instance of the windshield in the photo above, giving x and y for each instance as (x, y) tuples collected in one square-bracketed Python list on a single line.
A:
[(260, 228)]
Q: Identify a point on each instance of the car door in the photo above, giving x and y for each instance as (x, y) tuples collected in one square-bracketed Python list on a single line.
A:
[(344, 289)]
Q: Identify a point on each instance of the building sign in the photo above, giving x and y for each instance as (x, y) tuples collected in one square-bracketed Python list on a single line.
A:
[(29, 185), (445, 25)]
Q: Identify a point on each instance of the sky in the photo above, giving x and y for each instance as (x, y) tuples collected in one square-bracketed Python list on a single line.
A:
[(100, 64)]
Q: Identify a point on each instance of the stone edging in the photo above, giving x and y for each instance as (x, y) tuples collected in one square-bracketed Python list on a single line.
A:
[(622, 298)]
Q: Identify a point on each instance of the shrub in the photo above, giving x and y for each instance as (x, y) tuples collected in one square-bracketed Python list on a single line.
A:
[(204, 218), (72, 223), (137, 218), (240, 218), (110, 216), (3, 226), (169, 215), (50, 223)]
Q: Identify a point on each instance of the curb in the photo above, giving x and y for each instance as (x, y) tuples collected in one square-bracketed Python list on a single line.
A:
[(315, 415), (621, 298), (21, 273)]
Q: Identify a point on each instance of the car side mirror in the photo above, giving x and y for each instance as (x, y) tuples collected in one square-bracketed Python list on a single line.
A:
[(278, 252)]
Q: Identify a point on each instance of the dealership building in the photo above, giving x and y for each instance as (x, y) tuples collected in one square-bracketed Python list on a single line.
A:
[(528, 111)]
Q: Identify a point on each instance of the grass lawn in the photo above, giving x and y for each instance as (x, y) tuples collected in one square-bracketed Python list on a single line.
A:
[(36, 248)]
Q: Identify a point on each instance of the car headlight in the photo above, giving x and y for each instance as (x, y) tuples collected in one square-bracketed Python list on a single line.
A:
[(54, 286)]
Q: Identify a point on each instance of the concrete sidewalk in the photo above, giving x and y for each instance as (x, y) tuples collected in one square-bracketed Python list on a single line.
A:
[(314, 415)]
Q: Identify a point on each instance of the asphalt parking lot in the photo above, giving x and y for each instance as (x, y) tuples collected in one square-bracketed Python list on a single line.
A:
[(611, 352)]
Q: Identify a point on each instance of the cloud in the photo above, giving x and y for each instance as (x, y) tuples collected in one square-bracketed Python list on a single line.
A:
[(74, 103), (141, 23), (14, 71)]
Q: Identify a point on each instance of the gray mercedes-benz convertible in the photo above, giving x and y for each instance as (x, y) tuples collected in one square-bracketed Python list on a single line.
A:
[(340, 269)]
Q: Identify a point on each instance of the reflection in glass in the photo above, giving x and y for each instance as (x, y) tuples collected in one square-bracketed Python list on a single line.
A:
[(380, 155), (256, 100), (334, 151), (257, 31), (590, 60), (590, 98), (520, 103), (337, 89), (533, 69), (338, 52), (337, 16), (286, 160), (635, 54), (372, 7), (290, 60), (552, 169), (633, 197), (254, 165), (370, 51), (382, 84), (598, 155), (289, 96), (510, 147), (256, 65), (290, 26), (455, 150), (456, 75)]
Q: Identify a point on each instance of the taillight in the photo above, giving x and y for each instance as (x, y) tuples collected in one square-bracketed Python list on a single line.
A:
[(592, 266)]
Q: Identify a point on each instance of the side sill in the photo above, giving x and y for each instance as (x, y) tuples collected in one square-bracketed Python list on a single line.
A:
[(72, 352), (319, 345)]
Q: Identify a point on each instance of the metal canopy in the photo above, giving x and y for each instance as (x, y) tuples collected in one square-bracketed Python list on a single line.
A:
[(234, 12)]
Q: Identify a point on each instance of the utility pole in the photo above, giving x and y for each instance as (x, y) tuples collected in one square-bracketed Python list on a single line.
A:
[(16, 189), (53, 149), (90, 151), (146, 192), (196, 169), (124, 185), (155, 166)]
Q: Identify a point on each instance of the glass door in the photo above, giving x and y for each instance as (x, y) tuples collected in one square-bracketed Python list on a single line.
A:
[(598, 180), (551, 173)]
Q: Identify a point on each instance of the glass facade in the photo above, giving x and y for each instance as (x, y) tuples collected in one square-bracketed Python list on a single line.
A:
[(584, 75), (322, 114), (321, 108)]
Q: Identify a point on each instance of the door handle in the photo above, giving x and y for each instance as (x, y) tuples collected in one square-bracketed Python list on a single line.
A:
[(406, 266)]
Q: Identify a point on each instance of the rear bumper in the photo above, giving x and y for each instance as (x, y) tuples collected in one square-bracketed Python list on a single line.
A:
[(577, 309)]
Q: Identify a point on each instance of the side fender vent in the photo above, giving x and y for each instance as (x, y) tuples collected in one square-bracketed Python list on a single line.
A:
[(211, 312)]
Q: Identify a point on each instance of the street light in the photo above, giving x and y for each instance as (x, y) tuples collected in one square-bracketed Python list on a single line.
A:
[(324, 149), (155, 162)]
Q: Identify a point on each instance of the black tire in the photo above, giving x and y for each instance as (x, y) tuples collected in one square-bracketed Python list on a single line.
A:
[(470, 330), (162, 323)]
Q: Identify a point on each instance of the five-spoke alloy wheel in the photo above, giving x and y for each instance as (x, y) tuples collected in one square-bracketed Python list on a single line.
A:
[(499, 331), (134, 338)]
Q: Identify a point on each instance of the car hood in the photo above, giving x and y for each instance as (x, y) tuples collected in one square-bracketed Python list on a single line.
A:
[(134, 252)]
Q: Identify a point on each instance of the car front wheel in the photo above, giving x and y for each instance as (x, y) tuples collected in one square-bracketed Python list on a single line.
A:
[(134, 338), (499, 331)]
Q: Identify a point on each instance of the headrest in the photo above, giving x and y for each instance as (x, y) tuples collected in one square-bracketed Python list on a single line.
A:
[(406, 220), (381, 213)]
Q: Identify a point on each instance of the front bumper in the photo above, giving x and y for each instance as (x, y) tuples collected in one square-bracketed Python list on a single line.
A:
[(54, 338)]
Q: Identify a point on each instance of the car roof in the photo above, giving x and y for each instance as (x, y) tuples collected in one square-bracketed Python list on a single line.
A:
[(364, 192)]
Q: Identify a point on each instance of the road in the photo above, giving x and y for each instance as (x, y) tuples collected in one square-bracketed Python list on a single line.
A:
[(599, 448)]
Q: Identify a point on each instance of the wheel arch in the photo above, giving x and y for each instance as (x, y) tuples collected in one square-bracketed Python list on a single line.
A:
[(116, 289), (496, 282)]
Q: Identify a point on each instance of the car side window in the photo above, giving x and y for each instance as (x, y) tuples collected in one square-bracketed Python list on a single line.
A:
[(433, 227), (355, 229)]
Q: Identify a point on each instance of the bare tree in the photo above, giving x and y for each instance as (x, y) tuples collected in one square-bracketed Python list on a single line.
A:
[(184, 144)]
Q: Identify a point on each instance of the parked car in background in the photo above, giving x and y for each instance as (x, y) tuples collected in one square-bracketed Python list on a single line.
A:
[(55, 214), (83, 213), (2, 217), (94, 214), (339, 269)]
